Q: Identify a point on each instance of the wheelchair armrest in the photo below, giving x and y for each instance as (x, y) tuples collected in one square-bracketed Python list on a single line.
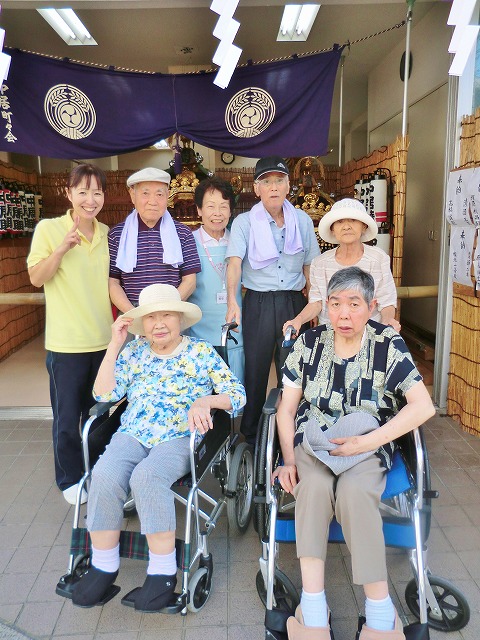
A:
[(100, 408), (271, 403)]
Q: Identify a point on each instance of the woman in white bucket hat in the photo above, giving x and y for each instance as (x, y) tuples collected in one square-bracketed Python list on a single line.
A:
[(170, 381), (349, 225)]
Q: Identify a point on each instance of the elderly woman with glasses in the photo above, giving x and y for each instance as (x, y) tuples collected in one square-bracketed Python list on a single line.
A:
[(172, 382), (350, 389)]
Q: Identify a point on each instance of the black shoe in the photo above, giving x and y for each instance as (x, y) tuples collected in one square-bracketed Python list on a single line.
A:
[(156, 593), (92, 587)]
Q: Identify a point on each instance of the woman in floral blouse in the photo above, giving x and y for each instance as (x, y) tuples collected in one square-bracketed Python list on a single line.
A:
[(349, 391), (172, 382)]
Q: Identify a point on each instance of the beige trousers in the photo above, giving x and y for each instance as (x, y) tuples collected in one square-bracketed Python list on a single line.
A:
[(354, 498)]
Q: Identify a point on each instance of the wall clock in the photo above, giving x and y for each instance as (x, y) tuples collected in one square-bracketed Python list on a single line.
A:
[(227, 158)]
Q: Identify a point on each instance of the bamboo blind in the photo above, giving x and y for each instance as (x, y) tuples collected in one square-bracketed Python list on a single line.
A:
[(394, 158), (463, 394)]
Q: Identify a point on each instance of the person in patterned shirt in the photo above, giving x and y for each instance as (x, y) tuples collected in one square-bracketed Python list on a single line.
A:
[(350, 389), (172, 382)]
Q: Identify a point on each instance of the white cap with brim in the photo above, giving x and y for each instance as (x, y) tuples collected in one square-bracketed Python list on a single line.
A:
[(150, 174), (161, 297), (348, 208)]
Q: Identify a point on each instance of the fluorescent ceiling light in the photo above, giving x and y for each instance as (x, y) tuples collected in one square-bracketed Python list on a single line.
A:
[(68, 26), (297, 21)]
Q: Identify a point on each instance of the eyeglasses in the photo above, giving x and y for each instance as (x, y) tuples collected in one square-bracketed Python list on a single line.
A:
[(270, 182)]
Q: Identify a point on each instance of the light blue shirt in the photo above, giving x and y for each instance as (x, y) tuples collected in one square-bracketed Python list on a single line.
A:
[(285, 273)]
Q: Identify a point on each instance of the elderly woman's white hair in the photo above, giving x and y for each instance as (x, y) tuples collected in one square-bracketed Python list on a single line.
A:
[(355, 279)]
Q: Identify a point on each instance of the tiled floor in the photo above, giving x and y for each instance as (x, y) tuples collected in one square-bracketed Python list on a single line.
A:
[(35, 525)]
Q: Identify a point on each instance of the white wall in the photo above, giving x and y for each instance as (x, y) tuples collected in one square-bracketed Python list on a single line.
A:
[(429, 42), (427, 98)]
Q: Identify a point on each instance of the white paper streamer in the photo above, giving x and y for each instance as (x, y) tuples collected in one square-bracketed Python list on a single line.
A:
[(461, 250)]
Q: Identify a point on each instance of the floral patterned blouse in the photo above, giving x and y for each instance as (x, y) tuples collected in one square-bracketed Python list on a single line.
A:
[(161, 389), (374, 381)]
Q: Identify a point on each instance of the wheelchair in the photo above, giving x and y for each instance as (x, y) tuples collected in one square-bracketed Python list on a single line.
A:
[(217, 453), (406, 515)]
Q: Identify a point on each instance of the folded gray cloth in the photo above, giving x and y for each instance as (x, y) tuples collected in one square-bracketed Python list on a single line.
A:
[(317, 442)]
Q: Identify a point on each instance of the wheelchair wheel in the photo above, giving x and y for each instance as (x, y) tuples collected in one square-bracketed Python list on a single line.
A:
[(284, 591), (454, 608), (198, 595), (240, 482)]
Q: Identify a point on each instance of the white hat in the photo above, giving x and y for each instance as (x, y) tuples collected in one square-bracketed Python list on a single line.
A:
[(150, 174), (348, 208), (161, 297)]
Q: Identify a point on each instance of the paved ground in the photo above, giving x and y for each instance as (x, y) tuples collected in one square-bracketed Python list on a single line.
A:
[(35, 526)]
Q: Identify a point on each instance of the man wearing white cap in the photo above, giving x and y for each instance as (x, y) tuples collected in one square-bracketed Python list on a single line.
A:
[(150, 246)]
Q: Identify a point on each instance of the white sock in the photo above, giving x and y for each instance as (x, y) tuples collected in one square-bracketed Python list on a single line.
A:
[(107, 560), (380, 614), (163, 565), (314, 609)]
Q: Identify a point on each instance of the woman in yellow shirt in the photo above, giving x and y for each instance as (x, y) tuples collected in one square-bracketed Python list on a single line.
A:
[(69, 258)]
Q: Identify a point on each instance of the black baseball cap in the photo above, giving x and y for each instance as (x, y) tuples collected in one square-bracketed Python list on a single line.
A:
[(269, 165)]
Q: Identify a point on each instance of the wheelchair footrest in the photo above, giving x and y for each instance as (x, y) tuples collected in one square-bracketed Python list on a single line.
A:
[(416, 631), (276, 620), (275, 635), (175, 605), (67, 583)]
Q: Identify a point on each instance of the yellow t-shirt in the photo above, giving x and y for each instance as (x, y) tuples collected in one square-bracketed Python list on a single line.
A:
[(79, 314)]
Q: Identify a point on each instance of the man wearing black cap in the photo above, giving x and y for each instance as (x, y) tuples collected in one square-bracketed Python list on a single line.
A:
[(270, 251)]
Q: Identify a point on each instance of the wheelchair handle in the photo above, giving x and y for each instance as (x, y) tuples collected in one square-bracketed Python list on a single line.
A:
[(226, 328), (289, 337)]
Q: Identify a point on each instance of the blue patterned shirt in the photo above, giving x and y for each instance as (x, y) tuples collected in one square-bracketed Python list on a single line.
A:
[(161, 389), (374, 381)]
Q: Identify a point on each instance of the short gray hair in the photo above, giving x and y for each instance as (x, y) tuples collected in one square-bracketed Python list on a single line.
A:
[(355, 279)]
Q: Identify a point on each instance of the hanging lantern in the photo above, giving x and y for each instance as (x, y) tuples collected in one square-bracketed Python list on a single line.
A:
[(380, 205), (378, 192)]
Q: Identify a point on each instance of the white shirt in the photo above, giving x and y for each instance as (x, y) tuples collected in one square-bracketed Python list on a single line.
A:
[(207, 241)]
